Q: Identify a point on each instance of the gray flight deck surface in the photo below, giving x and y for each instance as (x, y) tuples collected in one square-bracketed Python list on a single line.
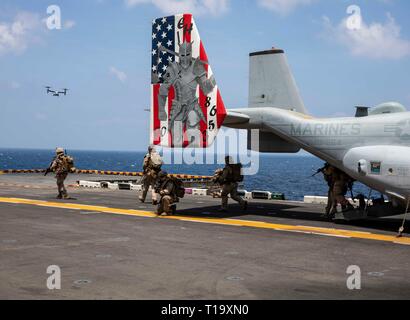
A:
[(111, 256)]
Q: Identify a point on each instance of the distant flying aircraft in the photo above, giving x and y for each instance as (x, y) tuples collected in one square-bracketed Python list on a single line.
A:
[(373, 149), (56, 93)]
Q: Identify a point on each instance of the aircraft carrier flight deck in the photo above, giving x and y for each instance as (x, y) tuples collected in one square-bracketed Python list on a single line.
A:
[(110, 246)]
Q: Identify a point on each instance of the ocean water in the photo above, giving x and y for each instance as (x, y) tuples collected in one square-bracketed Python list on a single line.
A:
[(288, 174)]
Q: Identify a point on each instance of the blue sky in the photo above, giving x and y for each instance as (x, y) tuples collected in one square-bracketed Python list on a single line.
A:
[(102, 53)]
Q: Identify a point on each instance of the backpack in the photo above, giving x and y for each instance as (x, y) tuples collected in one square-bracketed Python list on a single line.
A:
[(179, 187), (155, 161), (68, 162), (236, 172)]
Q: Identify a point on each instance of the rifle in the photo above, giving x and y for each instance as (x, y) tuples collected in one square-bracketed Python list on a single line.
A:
[(318, 171), (49, 167)]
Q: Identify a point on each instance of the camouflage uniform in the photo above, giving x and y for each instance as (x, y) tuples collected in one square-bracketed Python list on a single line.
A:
[(60, 167), (215, 188), (229, 187), (149, 178), (166, 189), (328, 176), (340, 186)]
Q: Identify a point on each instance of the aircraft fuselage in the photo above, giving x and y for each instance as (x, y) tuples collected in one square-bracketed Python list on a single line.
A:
[(374, 150)]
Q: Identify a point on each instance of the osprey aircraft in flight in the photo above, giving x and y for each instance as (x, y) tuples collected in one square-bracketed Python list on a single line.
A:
[(56, 93), (373, 149)]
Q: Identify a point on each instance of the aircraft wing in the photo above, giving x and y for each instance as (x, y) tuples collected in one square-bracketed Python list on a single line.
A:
[(235, 118)]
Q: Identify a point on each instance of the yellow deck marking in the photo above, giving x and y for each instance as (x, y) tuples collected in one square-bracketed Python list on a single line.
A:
[(114, 173), (228, 222)]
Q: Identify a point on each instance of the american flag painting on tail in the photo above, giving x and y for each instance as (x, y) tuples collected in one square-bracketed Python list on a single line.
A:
[(186, 106)]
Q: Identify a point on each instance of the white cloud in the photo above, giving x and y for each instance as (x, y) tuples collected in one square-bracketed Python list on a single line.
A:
[(197, 7), (377, 40), (15, 36), (120, 75), (283, 7), (68, 24)]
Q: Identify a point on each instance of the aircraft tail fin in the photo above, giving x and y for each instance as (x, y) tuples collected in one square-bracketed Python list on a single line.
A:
[(271, 83), (186, 105)]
